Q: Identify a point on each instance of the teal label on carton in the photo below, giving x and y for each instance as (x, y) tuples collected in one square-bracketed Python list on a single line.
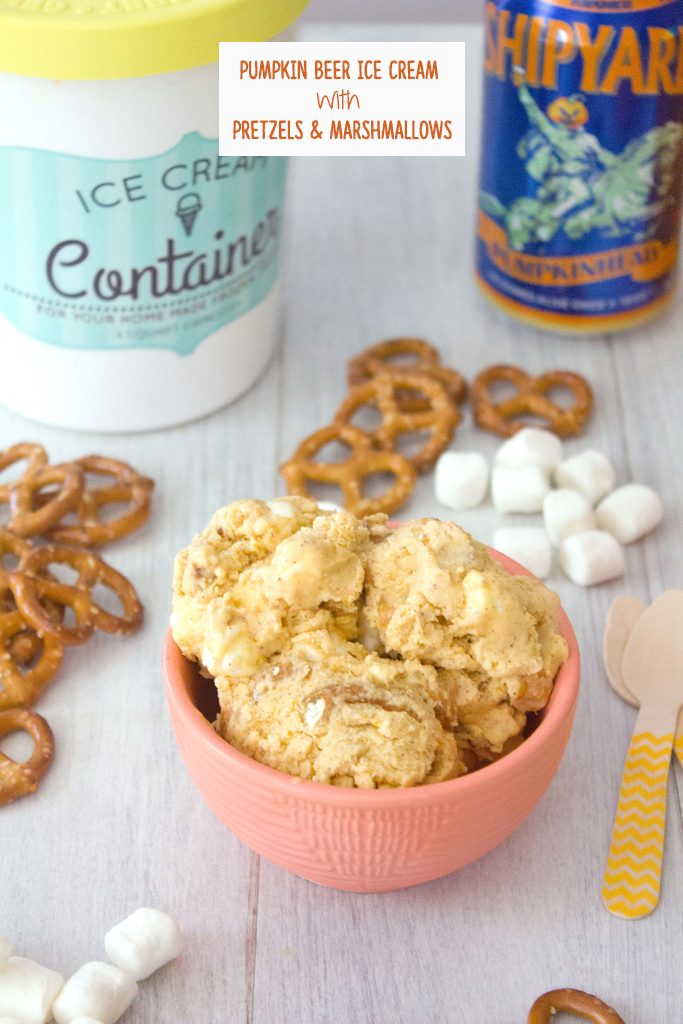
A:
[(153, 253)]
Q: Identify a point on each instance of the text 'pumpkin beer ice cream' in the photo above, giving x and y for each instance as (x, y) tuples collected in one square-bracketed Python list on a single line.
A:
[(582, 155), (138, 268)]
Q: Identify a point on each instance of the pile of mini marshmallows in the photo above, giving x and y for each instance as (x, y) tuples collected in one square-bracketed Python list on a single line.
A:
[(584, 516), (97, 993)]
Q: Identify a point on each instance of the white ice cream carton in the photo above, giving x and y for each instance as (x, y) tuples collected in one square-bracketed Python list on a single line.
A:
[(138, 268)]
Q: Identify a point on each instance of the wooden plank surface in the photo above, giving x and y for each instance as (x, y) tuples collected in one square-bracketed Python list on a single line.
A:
[(376, 247)]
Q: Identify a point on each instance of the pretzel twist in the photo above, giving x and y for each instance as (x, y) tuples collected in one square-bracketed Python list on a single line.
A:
[(28, 516), (20, 778), (29, 585), (348, 474), (572, 1000), (531, 400), (423, 358), (35, 456), (21, 689), (385, 392), (129, 488)]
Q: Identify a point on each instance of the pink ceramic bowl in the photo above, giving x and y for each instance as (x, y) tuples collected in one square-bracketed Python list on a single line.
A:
[(367, 840)]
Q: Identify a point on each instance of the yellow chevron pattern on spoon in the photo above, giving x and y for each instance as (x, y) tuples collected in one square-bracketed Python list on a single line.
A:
[(634, 863), (652, 673)]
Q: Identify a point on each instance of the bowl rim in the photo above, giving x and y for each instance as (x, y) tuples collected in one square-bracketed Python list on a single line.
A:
[(560, 706)]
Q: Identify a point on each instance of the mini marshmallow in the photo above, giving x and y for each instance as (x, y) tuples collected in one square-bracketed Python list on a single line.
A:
[(5, 950), (96, 990), (519, 488), (28, 990), (531, 447), (528, 545), (461, 479), (592, 557), (329, 506), (589, 472), (11, 1020), (144, 942), (630, 512), (566, 512)]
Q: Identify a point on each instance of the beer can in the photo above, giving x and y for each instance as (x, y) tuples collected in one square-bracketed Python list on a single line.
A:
[(581, 160)]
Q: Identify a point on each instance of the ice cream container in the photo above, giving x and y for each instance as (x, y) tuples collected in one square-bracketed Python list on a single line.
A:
[(138, 268)]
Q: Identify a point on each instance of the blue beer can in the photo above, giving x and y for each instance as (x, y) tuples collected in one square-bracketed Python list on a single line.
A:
[(581, 160)]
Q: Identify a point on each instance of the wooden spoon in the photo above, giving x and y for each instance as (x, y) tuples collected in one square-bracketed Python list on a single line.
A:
[(652, 671), (621, 618)]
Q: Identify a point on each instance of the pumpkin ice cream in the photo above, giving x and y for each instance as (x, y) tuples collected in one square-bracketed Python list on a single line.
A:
[(348, 653)]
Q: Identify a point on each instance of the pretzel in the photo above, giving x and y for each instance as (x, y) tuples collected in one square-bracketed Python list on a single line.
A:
[(128, 487), (572, 1000), (16, 548), (348, 475), (384, 392), (21, 689), (28, 516), (531, 400), (425, 360), (29, 584), (31, 594), (20, 778), (25, 647), (36, 458)]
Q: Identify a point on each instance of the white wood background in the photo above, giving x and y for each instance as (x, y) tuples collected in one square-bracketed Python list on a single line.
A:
[(377, 247)]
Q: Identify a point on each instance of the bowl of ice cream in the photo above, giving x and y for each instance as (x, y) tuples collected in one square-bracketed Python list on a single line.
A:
[(368, 708)]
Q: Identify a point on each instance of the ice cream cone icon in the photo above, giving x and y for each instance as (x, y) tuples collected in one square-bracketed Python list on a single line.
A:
[(187, 209)]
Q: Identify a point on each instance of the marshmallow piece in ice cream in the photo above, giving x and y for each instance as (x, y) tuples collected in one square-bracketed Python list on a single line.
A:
[(590, 472), (592, 557), (96, 990), (5, 950), (144, 942), (519, 488), (28, 990), (531, 447), (630, 512), (565, 512), (528, 545), (461, 479)]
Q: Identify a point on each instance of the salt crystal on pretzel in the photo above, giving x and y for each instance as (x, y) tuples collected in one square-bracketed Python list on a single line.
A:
[(519, 488), (96, 990), (590, 472), (142, 943), (630, 512), (28, 990)]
